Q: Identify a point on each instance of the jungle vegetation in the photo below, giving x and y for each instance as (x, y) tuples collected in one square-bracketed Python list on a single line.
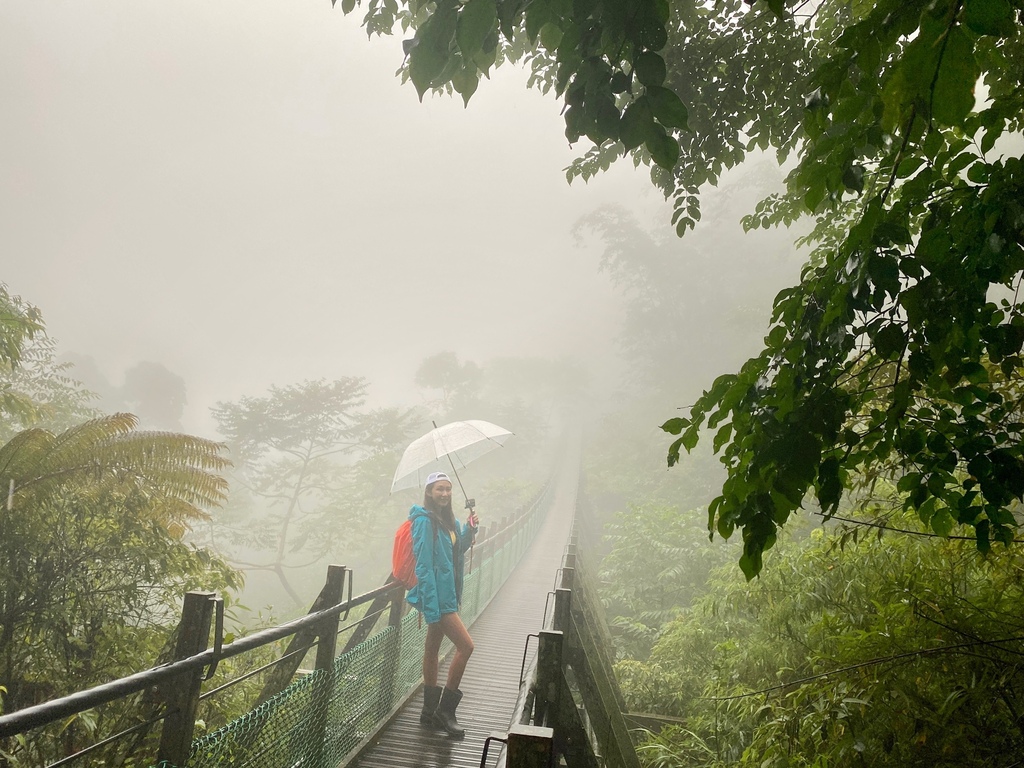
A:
[(897, 352), (886, 396)]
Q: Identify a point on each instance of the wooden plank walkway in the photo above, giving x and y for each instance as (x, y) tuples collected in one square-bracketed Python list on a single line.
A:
[(491, 683)]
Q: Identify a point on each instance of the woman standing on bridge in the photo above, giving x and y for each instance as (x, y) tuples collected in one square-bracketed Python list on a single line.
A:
[(439, 543)]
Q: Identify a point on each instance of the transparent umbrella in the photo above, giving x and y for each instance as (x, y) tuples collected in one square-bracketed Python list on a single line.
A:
[(448, 446)]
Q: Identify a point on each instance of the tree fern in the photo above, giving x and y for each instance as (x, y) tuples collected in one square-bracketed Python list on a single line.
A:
[(176, 475)]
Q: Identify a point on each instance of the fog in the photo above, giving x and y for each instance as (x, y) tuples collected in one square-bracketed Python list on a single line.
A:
[(248, 195), (220, 198)]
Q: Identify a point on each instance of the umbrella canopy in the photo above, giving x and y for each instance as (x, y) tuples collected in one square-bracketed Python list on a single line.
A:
[(448, 446)]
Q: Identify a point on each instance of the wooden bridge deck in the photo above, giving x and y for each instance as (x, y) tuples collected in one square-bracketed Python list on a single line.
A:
[(491, 683)]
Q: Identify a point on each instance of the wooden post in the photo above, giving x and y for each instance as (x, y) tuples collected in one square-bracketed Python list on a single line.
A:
[(181, 696), (568, 577), (529, 746), (327, 631), (563, 606), (281, 675), (397, 609), (326, 649), (386, 693), (549, 678)]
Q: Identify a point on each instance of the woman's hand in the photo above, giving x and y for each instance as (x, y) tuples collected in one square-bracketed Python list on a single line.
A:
[(473, 521)]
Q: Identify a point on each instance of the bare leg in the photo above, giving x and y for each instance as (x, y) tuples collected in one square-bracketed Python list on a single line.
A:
[(453, 628), (431, 649)]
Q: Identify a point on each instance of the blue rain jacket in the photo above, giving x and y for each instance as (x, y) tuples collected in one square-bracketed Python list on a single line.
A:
[(439, 565)]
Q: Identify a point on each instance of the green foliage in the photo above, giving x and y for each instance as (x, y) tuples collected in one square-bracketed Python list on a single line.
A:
[(19, 322), (894, 332), (602, 58), (35, 390), (658, 563), (896, 354), (93, 568), (890, 652), (177, 476)]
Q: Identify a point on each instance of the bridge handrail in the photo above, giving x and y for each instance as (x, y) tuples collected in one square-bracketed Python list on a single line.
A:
[(48, 712), (190, 666), (569, 703)]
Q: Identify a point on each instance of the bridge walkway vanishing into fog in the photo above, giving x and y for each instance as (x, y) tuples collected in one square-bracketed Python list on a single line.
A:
[(539, 689)]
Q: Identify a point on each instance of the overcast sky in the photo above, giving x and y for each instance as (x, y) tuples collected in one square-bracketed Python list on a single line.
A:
[(246, 193)]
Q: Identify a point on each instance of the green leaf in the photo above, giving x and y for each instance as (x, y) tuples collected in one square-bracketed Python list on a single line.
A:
[(975, 373), (621, 82), (990, 17), (750, 564), (347, 6), (890, 340), (942, 522), (465, 83), (830, 487), (636, 123), (550, 35), (650, 69), (476, 21), (667, 107), (853, 178), (953, 96), (722, 436), (606, 117), (664, 149), (676, 425), (432, 50)]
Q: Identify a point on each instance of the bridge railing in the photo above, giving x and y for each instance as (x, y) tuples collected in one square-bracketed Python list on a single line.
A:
[(313, 719), (570, 706)]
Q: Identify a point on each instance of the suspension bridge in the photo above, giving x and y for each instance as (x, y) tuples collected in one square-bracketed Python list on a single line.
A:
[(538, 691)]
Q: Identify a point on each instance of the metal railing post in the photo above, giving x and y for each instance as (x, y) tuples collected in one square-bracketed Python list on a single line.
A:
[(181, 696)]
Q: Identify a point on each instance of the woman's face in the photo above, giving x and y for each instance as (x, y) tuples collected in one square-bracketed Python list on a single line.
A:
[(441, 493)]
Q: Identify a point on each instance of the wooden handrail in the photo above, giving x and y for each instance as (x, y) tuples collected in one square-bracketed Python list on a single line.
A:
[(570, 705)]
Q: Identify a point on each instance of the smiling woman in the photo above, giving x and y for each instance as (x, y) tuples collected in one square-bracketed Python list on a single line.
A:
[(439, 544)]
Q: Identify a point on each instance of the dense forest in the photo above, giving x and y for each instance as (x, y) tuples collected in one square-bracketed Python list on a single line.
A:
[(831, 572), (885, 403)]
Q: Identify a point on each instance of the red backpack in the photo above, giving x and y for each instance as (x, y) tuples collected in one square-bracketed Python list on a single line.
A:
[(403, 561)]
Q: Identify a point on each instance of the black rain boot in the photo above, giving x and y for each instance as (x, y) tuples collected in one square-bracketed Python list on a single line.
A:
[(444, 716), (431, 695)]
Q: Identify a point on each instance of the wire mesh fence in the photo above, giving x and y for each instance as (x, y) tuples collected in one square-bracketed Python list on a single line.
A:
[(322, 717)]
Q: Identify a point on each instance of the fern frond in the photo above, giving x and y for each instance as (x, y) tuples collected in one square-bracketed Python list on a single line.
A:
[(174, 476)]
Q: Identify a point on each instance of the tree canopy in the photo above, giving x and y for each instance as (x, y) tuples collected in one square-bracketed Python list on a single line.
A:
[(92, 558), (310, 469), (898, 353)]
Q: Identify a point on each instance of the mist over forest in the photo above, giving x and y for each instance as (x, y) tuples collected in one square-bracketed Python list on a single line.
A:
[(762, 261)]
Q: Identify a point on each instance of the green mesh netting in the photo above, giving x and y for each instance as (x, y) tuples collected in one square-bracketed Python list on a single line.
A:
[(319, 719)]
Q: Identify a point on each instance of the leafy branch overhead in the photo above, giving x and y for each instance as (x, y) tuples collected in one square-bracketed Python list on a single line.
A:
[(899, 352), (601, 56)]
